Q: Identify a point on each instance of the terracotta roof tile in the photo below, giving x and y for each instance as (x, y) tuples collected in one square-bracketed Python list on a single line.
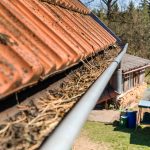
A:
[(40, 38), (72, 5)]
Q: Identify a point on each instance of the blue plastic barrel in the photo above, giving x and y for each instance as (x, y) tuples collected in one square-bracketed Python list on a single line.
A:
[(131, 119)]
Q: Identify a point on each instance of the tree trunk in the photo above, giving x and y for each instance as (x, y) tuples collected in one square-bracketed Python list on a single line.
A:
[(109, 9)]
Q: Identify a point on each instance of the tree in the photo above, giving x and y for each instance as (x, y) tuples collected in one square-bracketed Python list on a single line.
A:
[(130, 24), (131, 7), (144, 3), (109, 4), (115, 9), (145, 7), (149, 8)]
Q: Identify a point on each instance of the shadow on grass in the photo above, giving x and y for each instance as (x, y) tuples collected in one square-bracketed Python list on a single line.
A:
[(140, 136)]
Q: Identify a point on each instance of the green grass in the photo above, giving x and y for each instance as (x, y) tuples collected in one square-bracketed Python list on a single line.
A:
[(117, 138), (147, 79)]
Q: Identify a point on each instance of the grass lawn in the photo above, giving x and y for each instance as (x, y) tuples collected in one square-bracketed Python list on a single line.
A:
[(117, 138), (148, 80)]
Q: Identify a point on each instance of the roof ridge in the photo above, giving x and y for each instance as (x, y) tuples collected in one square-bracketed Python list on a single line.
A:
[(72, 5)]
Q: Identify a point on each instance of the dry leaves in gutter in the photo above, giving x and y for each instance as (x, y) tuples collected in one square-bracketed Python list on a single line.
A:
[(28, 128)]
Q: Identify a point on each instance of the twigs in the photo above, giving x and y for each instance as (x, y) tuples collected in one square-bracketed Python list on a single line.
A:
[(28, 128)]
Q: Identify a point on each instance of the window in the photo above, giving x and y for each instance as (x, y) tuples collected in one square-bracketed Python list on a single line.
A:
[(132, 79)]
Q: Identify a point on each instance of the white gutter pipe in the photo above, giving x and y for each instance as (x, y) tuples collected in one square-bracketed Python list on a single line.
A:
[(64, 135)]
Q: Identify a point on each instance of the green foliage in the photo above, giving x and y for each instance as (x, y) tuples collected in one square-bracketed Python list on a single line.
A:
[(148, 77), (131, 7), (115, 8), (133, 26)]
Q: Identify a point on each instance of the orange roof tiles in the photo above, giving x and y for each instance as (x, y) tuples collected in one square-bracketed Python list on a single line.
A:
[(73, 5), (40, 37)]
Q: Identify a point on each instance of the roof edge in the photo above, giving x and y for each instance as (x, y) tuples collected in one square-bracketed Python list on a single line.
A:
[(119, 41), (137, 69), (69, 128)]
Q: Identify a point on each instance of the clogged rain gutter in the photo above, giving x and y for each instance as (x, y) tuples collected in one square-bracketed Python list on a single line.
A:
[(65, 134)]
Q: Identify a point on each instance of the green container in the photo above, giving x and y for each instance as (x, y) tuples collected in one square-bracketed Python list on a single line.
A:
[(123, 121)]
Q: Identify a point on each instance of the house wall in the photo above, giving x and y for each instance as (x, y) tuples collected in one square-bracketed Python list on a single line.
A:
[(124, 84), (133, 79), (131, 98)]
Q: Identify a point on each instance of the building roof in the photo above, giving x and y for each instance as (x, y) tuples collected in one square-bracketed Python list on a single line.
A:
[(130, 63), (41, 37)]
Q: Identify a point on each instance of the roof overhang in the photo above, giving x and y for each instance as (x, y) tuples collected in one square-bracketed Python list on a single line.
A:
[(137, 69), (64, 135), (131, 63)]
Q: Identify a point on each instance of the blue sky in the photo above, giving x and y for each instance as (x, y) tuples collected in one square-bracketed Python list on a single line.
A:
[(122, 3)]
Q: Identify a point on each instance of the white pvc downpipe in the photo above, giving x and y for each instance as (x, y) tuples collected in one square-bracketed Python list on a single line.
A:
[(65, 134)]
